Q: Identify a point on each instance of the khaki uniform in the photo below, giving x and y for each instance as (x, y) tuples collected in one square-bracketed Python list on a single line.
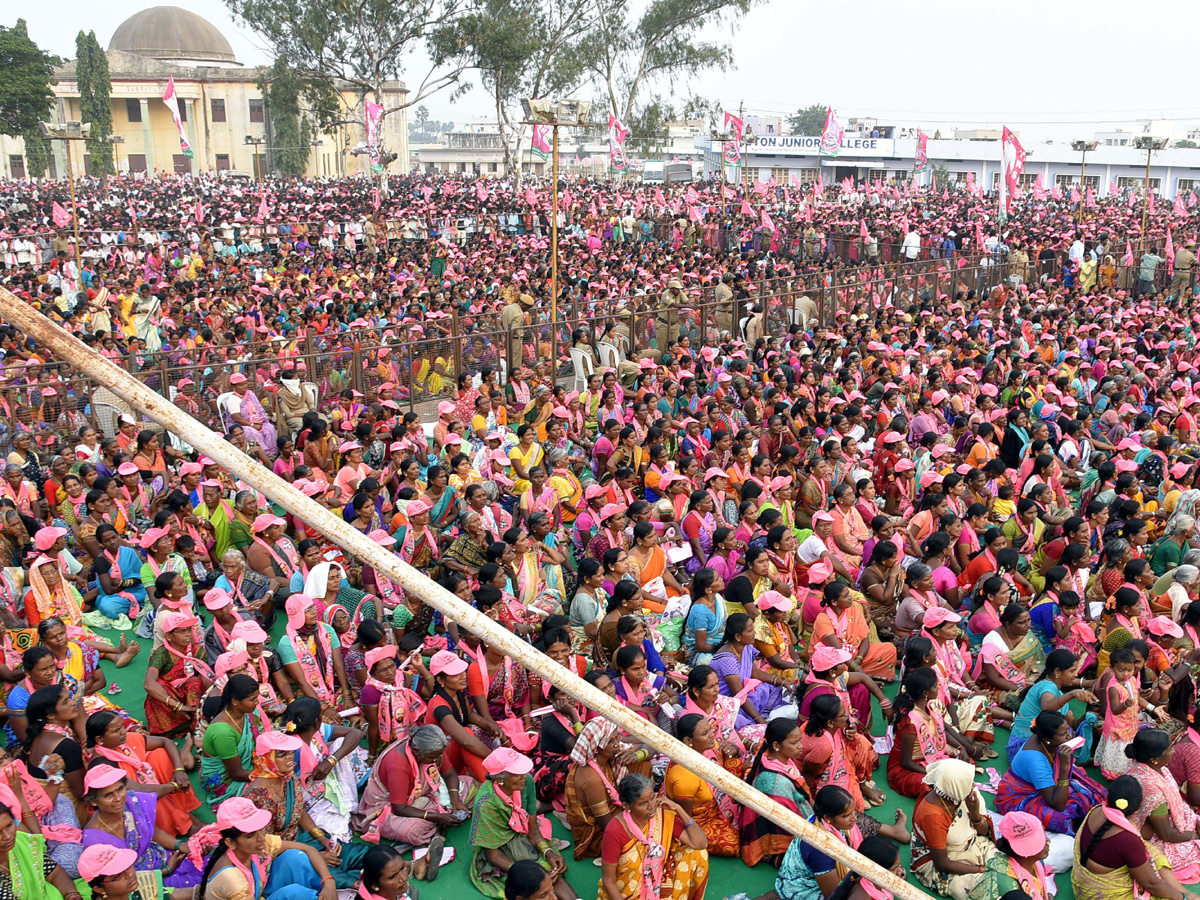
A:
[(666, 324), (513, 317), (1185, 259)]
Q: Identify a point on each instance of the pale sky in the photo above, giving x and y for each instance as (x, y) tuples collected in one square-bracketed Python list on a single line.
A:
[(1049, 70)]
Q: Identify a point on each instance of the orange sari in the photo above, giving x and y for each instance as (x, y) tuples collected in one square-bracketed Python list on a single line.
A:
[(655, 566), (851, 629)]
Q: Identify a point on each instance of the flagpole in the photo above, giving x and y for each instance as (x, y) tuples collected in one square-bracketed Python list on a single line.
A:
[(554, 259)]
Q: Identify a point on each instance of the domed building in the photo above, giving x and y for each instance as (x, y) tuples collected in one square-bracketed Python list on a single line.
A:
[(225, 117)]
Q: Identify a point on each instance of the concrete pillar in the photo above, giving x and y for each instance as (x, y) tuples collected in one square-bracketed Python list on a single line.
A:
[(191, 126), (147, 140)]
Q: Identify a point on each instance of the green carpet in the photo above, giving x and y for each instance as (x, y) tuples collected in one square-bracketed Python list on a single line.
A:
[(728, 877)]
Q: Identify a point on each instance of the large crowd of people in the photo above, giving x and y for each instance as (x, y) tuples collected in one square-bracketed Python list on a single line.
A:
[(846, 553)]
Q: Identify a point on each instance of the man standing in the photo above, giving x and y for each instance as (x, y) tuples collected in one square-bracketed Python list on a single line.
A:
[(1185, 259), (1149, 266), (666, 325), (512, 320), (724, 297)]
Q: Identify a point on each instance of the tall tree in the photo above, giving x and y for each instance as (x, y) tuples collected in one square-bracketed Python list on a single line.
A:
[(495, 37), (37, 153), (25, 94), (626, 52), (808, 120), (95, 105), (363, 44), (648, 132), (282, 92)]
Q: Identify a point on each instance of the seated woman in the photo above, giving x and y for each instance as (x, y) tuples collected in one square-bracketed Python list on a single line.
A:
[(639, 690), (653, 849), (176, 678), (413, 795), (312, 655), (703, 697), (1010, 658), (247, 861), (229, 739), (991, 596), (920, 733), (1043, 779), (706, 618), (648, 562), (736, 661), (1018, 866), (49, 714), (774, 639), (118, 577), (776, 774), (153, 762), (125, 818), (273, 786), (450, 708), (1123, 626), (843, 624), (806, 873), (591, 794), (503, 831), (1164, 813), (830, 675), (1112, 859), (1061, 673), (330, 765), (952, 834), (31, 869), (809, 874), (556, 644), (390, 707), (714, 811), (834, 755)]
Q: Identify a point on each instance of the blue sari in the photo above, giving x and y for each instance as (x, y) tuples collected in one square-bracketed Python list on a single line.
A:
[(115, 605)]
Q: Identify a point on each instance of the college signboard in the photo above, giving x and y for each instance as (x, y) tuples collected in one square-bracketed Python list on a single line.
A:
[(810, 145)]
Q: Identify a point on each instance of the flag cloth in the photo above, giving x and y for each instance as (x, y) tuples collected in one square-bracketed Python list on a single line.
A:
[(1180, 209), (61, 217), (747, 210), (766, 221), (659, 199), (1039, 192), (734, 126), (1112, 188), (922, 159), (172, 103), (616, 144), (1191, 198), (375, 199), (862, 228), (1127, 259), (200, 210), (542, 135), (1012, 156), (831, 136), (1169, 253), (374, 115), (691, 195), (1056, 193), (1074, 196), (1090, 197), (530, 197), (760, 188), (794, 180), (263, 211), (481, 190), (694, 213), (819, 185)]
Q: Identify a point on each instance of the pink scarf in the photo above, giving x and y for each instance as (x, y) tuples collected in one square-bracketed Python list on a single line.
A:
[(655, 856), (518, 819)]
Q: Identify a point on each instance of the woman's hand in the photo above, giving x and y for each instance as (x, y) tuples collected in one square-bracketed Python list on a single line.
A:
[(558, 865), (1084, 696), (332, 855), (181, 781), (668, 804), (328, 890), (324, 768)]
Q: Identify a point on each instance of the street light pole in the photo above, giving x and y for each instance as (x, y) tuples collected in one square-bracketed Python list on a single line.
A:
[(256, 142), (68, 132), (1083, 147), (116, 140), (1149, 144)]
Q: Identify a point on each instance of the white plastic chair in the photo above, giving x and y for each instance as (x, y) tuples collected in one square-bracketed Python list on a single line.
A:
[(584, 369), (311, 394), (106, 417), (223, 407), (609, 355)]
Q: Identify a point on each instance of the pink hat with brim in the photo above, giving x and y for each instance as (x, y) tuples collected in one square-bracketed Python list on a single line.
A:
[(774, 600), (297, 609), (375, 655), (819, 571), (416, 507), (128, 468), (382, 538), (824, 658), (715, 472), (100, 860), (1024, 832), (153, 536), (215, 599), (46, 537), (610, 510), (102, 776), (265, 520), (242, 814), (237, 378), (347, 446), (593, 490), (249, 631), (505, 760), (822, 517), (939, 616), (1165, 626), (175, 620), (275, 741), (904, 465), (446, 663)]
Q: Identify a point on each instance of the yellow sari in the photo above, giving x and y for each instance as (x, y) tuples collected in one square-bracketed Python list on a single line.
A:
[(680, 872)]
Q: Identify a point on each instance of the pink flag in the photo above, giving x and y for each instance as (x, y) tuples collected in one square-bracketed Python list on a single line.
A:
[(904, 225), (831, 135), (427, 191), (1170, 250), (1180, 209), (978, 237), (847, 185), (1191, 198), (566, 198), (481, 190), (616, 143), (1056, 193), (200, 210), (1091, 197), (1112, 188), (794, 180), (1074, 196), (760, 188), (819, 185), (734, 126), (728, 193), (637, 206), (375, 199), (922, 157), (694, 213), (807, 213), (61, 217), (862, 228), (1012, 156), (1150, 200), (263, 211), (659, 199), (1127, 259), (691, 195), (530, 197), (747, 210), (766, 221)]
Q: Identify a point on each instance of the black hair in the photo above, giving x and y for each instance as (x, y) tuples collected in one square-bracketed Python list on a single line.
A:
[(880, 850), (777, 731), (238, 687), (824, 710), (1046, 724), (917, 683), (1059, 660), (521, 882), (1148, 744), (831, 801), (1125, 788), (685, 726), (370, 632), (627, 656), (698, 677), (41, 706), (915, 651)]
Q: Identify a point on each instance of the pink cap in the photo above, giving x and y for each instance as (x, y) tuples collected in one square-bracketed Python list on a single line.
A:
[(445, 408), (249, 631), (593, 490), (820, 571), (822, 516), (102, 776), (46, 537), (297, 607), (939, 615), (446, 663), (715, 472), (153, 536), (174, 620), (1125, 465), (211, 483), (382, 538), (904, 465), (506, 760), (375, 655), (452, 440), (1177, 471), (824, 658), (190, 468), (215, 599), (610, 509), (1024, 833), (128, 468), (237, 378), (774, 600), (347, 446), (263, 521), (893, 437), (230, 661), (242, 814), (1165, 626), (98, 860), (417, 506), (274, 741)]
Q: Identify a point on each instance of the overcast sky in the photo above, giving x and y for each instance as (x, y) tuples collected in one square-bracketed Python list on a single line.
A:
[(1047, 69)]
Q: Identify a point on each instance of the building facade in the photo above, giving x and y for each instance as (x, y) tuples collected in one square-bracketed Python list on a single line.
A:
[(221, 102)]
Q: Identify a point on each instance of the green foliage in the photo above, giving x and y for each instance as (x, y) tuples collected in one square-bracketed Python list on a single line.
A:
[(648, 126), (943, 175), (289, 133), (37, 153), (626, 52), (95, 90), (363, 43), (808, 120), (25, 94), (1186, 144), (422, 115), (710, 112)]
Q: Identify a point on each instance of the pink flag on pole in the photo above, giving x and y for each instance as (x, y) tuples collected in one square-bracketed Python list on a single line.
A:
[(747, 209), (694, 213), (566, 198), (831, 135), (1150, 200), (728, 193), (1074, 196), (766, 221), (1091, 197), (760, 188), (1180, 209), (530, 197), (1169, 253), (616, 143), (263, 211), (61, 217), (481, 190), (374, 115), (862, 228), (1127, 259), (1056, 193), (847, 185), (922, 158), (172, 103), (659, 199), (691, 195), (1013, 156), (199, 210), (794, 180), (978, 236), (1191, 198), (1112, 188), (819, 185)]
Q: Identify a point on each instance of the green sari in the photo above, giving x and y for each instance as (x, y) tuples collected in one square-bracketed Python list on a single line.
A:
[(29, 871), (218, 737), (999, 878), (490, 830)]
